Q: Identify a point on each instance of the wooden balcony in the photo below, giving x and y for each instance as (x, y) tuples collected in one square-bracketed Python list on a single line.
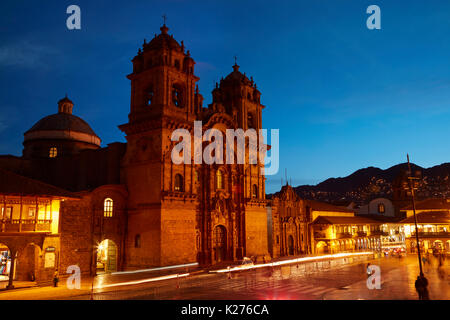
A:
[(432, 234), (343, 235), (16, 225), (320, 235), (378, 233)]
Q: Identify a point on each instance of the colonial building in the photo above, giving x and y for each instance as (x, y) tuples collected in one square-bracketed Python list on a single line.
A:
[(333, 234), (30, 230), (128, 205), (433, 224), (311, 227)]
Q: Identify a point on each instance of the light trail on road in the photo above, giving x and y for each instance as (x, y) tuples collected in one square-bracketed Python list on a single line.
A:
[(278, 263), (172, 276), (195, 264)]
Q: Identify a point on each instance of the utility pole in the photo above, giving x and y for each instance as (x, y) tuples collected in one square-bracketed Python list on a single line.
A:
[(411, 186)]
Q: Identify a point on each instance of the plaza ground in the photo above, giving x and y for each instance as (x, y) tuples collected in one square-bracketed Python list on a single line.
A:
[(312, 281)]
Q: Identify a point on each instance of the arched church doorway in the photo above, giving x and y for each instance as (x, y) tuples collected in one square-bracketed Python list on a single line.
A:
[(291, 245), (5, 265), (106, 256), (220, 243)]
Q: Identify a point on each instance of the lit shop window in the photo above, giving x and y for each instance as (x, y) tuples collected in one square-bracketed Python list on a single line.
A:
[(108, 208), (53, 152)]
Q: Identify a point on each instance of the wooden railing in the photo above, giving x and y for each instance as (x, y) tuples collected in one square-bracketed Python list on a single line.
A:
[(431, 234), (25, 225), (342, 235), (378, 233)]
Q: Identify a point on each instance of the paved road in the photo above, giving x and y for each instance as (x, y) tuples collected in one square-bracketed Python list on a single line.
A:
[(295, 282)]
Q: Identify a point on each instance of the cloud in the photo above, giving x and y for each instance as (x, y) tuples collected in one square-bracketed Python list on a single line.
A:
[(205, 66), (24, 54)]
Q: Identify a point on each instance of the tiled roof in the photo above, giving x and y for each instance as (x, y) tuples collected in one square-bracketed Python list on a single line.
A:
[(323, 206), (430, 204), (431, 217), (14, 184), (344, 220)]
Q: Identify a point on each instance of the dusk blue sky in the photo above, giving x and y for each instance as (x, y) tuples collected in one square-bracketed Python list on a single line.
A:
[(344, 97)]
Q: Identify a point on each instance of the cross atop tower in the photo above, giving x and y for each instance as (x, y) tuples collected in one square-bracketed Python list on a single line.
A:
[(164, 16), (235, 60)]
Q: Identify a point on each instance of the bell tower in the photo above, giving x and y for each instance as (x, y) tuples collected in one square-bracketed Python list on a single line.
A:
[(241, 99), (164, 97), (163, 81)]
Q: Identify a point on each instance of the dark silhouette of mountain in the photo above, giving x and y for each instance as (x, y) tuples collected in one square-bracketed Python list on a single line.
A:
[(365, 184)]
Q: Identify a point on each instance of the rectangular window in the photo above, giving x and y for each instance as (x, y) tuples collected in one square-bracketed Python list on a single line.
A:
[(31, 212), (8, 214)]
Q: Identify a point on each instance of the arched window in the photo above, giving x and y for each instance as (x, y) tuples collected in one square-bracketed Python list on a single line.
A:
[(137, 241), (219, 179), (255, 191), (177, 98), (178, 182), (381, 208), (108, 208), (149, 96), (53, 152)]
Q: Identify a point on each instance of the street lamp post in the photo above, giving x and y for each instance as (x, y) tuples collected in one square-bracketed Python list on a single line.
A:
[(411, 185)]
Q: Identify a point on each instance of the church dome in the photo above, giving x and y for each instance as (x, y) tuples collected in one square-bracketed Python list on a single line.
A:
[(163, 40), (63, 131), (63, 122), (237, 77)]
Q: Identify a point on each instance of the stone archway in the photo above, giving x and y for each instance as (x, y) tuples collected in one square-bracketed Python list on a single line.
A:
[(321, 247), (107, 256), (28, 263)]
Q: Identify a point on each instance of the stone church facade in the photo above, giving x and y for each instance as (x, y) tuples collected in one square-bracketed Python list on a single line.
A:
[(150, 211)]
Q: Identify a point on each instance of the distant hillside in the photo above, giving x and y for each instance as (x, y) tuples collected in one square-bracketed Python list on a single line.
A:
[(365, 184)]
